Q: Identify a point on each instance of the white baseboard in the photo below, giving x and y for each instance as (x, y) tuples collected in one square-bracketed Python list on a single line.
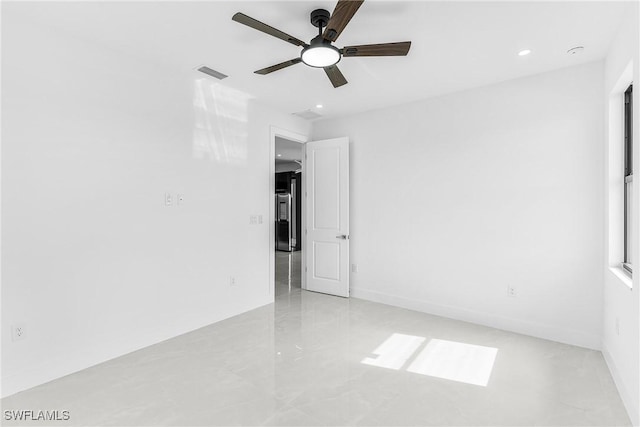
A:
[(577, 338), (630, 404)]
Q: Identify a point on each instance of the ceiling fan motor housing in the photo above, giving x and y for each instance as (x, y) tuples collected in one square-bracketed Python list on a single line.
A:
[(320, 18)]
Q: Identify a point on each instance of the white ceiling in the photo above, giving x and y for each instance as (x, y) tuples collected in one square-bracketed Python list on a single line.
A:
[(456, 45), (288, 150)]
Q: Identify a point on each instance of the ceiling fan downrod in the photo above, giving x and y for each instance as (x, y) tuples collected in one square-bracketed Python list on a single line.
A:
[(320, 18)]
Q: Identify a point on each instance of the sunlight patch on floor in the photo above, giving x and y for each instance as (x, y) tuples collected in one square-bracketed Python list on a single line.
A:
[(451, 360), (456, 361), (394, 352)]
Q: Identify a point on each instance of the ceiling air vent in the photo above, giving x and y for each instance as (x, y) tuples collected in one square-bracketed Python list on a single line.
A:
[(211, 72), (308, 115)]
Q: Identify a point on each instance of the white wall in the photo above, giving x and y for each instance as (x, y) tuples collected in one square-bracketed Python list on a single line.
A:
[(455, 198), (620, 344), (92, 261)]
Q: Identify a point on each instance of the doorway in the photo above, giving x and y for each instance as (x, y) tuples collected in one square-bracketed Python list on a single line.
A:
[(323, 217), (287, 241)]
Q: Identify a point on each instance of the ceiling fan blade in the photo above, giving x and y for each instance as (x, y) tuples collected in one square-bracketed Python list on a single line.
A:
[(260, 26), (383, 49), (279, 66), (342, 14), (336, 77)]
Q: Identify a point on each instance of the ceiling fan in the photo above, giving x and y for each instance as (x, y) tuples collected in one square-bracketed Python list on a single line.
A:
[(319, 52)]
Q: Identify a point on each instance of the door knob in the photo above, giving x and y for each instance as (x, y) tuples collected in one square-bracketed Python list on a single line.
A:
[(342, 236)]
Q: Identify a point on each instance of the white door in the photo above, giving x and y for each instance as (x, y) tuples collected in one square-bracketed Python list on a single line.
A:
[(327, 216)]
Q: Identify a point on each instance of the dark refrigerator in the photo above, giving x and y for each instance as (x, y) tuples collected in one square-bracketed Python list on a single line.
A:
[(283, 222)]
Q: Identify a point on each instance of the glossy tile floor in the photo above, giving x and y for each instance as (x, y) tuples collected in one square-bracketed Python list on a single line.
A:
[(288, 271), (312, 359)]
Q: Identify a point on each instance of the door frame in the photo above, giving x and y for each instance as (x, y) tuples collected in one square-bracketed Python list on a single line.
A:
[(302, 139)]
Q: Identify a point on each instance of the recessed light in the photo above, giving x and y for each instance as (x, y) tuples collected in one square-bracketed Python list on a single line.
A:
[(279, 155), (319, 105), (524, 52)]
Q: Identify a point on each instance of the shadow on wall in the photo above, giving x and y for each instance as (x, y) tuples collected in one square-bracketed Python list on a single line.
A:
[(221, 123)]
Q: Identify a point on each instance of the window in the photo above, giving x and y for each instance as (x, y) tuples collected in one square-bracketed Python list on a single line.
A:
[(628, 177)]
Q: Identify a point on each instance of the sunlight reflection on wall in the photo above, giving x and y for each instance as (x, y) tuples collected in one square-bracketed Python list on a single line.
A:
[(221, 123)]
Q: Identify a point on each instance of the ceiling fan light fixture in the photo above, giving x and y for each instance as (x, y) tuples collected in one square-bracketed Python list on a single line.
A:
[(320, 56)]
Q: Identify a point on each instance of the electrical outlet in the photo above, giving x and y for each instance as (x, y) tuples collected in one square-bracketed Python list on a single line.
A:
[(617, 326), (180, 199), (253, 219), (232, 280), (18, 331), (511, 291)]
